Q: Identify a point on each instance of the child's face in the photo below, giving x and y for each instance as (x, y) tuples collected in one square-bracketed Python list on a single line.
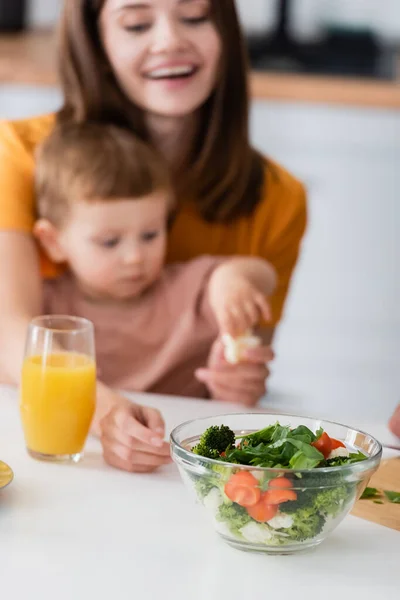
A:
[(115, 249)]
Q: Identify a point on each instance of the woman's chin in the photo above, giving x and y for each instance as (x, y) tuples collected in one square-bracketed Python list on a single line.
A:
[(176, 105), (172, 111)]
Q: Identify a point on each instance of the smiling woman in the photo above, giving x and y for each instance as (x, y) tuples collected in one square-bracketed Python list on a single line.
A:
[(173, 72), (191, 119), (136, 37)]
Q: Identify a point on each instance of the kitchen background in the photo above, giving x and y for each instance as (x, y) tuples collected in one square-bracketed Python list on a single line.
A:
[(309, 16), (339, 344)]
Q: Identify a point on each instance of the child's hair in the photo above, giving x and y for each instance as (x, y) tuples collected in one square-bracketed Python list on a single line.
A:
[(92, 162)]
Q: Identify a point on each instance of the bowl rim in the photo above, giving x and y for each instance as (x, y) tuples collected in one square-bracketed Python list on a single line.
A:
[(212, 461)]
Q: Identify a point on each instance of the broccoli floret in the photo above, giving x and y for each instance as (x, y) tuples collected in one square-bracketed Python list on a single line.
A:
[(216, 478), (307, 523), (203, 485), (330, 502), (202, 450), (214, 440), (305, 499), (326, 494), (234, 516)]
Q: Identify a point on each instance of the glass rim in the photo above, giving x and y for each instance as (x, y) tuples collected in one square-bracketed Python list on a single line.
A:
[(193, 458), (81, 323)]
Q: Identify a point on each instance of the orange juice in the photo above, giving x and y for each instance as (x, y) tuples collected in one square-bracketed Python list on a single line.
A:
[(57, 402)]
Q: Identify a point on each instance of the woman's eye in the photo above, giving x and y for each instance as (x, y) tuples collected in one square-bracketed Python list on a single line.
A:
[(196, 20), (137, 28), (110, 243), (149, 236)]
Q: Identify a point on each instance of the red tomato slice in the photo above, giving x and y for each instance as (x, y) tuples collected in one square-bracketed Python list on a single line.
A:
[(323, 444), (280, 482), (277, 496), (337, 444)]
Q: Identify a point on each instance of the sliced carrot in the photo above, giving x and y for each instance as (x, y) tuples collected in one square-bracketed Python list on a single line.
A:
[(277, 496), (262, 511), (244, 478), (243, 489), (323, 444), (243, 495), (280, 482), (337, 444)]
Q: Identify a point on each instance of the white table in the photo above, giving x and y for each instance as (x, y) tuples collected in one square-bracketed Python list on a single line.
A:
[(77, 532)]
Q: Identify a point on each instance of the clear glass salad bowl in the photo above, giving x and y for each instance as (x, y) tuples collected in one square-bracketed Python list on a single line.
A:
[(307, 503)]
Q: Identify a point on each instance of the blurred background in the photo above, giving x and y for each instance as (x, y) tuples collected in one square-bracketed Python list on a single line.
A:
[(326, 104)]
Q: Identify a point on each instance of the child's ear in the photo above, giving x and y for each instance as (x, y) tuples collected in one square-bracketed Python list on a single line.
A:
[(49, 238)]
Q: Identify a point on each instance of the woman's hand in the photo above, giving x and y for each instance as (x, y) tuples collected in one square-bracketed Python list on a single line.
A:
[(242, 383), (132, 437), (394, 423)]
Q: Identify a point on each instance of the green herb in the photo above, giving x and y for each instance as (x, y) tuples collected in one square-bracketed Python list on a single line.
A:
[(338, 461), (370, 492), (277, 446), (393, 497), (377, 501)]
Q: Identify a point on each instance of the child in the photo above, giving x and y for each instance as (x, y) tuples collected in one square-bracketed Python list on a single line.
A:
[(104, 200)]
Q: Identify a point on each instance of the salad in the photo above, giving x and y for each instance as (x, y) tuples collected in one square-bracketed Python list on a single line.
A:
[(272, 507)]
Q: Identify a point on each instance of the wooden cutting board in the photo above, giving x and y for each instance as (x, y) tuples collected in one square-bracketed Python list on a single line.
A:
[(387, 477)]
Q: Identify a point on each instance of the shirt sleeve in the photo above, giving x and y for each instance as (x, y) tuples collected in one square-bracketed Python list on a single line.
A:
[(188, 282), (283, 248), (16, 182)]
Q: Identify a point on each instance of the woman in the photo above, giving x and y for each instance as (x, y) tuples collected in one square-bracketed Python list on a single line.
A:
[(394, 423), (174, 72)]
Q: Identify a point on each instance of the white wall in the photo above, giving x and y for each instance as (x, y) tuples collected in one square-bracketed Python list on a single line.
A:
[(338, 348)]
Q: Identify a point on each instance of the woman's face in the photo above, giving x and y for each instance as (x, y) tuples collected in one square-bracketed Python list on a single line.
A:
[(164, 53)]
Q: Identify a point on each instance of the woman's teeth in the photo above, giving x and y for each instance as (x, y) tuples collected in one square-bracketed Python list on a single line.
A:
[(171, 72)]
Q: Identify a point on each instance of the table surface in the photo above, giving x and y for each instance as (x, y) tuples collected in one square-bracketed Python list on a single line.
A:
[(89, 531)]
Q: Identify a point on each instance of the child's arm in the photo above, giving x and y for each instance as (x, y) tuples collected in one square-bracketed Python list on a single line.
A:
[(237, 293)]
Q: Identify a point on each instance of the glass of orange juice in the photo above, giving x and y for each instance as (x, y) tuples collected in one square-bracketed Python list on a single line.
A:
[(58, 387)]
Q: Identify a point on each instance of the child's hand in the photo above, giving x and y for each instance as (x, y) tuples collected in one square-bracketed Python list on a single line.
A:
[(237, 303), (243, 383), (132, 438)]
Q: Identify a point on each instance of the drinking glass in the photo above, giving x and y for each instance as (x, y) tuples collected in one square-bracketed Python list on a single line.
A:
[(58, 387)]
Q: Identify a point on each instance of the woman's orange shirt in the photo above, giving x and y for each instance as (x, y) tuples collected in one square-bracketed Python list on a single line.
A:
[(274, 230)]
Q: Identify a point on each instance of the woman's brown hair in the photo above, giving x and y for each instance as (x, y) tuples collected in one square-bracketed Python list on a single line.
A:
[(224, 175)]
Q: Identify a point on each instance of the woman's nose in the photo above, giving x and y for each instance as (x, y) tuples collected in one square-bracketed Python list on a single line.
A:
[(168, 36)]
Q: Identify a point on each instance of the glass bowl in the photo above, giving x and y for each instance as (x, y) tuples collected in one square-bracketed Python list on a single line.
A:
[(324, 495)]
